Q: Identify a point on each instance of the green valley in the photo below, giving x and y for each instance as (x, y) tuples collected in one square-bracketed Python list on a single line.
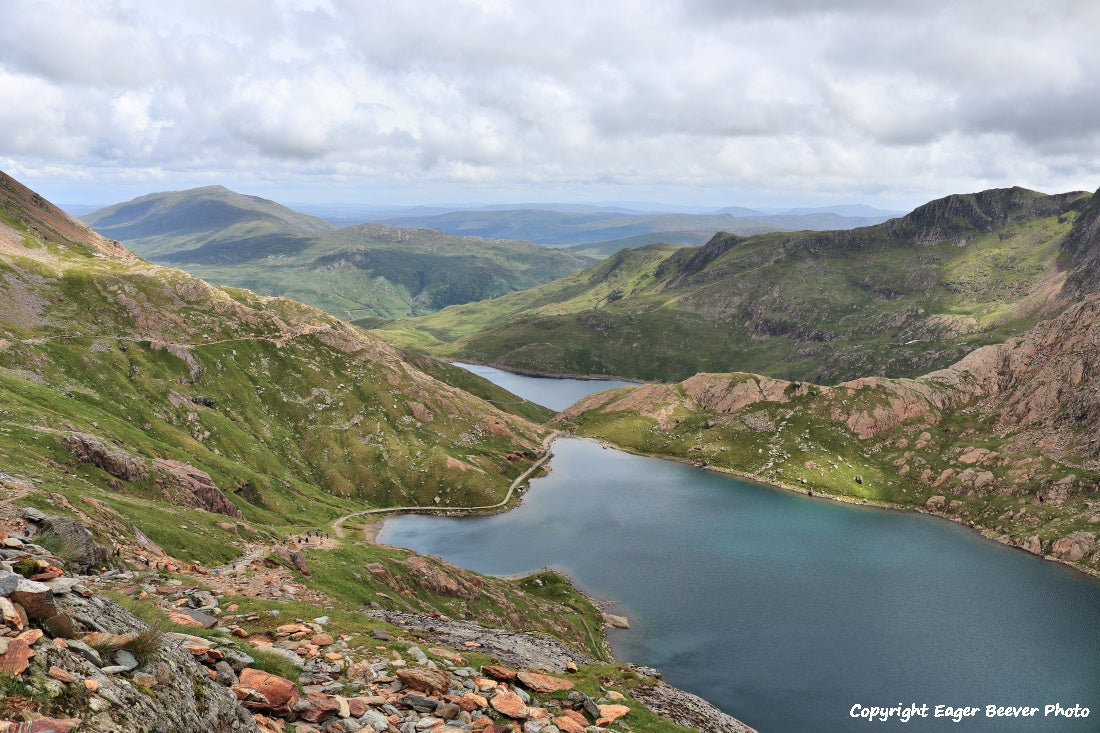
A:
[(368, 270)]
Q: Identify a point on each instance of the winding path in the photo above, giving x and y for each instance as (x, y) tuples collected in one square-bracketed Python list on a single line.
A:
[(338, 525)]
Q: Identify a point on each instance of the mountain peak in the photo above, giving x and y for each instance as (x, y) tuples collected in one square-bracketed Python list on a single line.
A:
[(959, 214)]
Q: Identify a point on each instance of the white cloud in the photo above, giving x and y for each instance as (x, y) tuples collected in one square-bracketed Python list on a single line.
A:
[(838, 100)]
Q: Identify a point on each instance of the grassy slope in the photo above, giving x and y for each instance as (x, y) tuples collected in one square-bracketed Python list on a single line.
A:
[(297, 417), (901, 298)]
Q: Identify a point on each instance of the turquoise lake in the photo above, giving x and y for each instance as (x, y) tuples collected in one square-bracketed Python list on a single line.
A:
[(786, 611)]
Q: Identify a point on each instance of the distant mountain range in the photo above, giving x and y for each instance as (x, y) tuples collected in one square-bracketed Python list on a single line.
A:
[(582, 225), (898, 299), (362, 271)]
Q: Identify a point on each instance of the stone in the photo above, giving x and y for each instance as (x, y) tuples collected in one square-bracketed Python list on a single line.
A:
[(63, 585), (543, 683), (611, 713), (375, 720), (1074, 547), (279, 693), (447, 710), (508, 703), (568, 725), (361, 672), (321, 639), (35, 598), (191, 617), (617, 622), (15, 658), (8, 582), (126, 660), (33, 515), (935, 503), (91, 685), (86, 651), (60, 675), (500, 673), (419, 703), (31, 636), (318, 707), (428, 680), (10, 616)]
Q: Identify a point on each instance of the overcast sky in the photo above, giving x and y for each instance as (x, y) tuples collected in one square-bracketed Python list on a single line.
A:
[(700, 102)]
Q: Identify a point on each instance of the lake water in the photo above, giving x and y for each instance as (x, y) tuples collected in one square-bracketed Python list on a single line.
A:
[(557, 394), (786, 611)]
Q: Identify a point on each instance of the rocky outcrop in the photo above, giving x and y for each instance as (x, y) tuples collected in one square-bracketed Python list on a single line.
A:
[(536, 651), (115, 461), (182, 484), (98, 665), (82, 551), (189, 486)]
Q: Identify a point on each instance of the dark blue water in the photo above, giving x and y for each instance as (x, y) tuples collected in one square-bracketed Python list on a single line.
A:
[(557, 394), (786, 611)]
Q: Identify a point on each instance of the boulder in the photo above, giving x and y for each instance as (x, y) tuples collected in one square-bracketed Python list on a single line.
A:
[(278, 693), (82, 550), (428, 680), (508, 703), (1074, 547), (543, 683), (35, 598), (15, 657)]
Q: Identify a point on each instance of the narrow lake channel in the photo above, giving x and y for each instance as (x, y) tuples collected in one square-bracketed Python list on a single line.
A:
[(787, 611)]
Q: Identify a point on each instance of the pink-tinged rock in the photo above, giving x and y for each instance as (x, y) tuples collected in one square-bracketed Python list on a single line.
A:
[(543, 683), (500, 673), (321, 707), (611, 713), (60, 675), (183, 619), (279, 692), (36, 599), (428, 680), (31, 636), (361, 671), (508, 703), (568, 725), (1074, 547), (321, 639), (471, 702), (15, 660)]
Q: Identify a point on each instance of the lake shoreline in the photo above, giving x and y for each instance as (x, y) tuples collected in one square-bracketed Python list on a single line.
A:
[(826, 496)]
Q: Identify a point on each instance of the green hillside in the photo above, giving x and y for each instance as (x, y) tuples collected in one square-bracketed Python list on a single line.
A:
[(111, 366), (353, 272), (899, 299)]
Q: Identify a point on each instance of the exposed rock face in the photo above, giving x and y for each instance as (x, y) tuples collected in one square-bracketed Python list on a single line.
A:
[(115, 461), (183, 697), (441, 577), (183, 484), (193, 487)]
